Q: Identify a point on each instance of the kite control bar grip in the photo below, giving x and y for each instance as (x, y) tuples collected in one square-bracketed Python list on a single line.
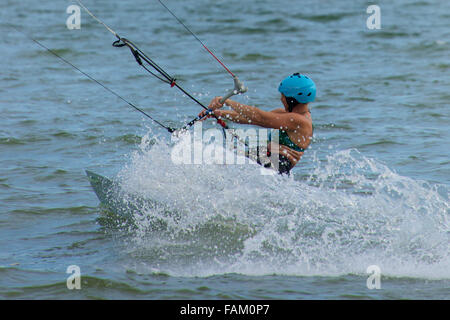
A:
[(238, 89)]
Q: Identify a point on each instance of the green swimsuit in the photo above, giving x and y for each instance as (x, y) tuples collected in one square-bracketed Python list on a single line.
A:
[(284, 165), (286, 141)]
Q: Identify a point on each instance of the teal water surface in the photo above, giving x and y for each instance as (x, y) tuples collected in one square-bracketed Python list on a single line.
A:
[(371, 190)]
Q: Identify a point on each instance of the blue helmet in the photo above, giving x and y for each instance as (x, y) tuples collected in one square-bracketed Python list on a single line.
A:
[(299, 87)]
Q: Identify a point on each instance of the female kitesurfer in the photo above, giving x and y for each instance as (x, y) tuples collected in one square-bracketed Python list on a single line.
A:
[(293, 121)]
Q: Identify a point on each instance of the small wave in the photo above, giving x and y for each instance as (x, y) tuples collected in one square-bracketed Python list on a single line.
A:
[(274, 21), (5, 186), (129, 139), (226, 20), (52, 211), (387, 34), (331, 17), (333, 126), (364, 99), (11, 141), (64, 135), (252, 30), (27, 123), (417, 4), (61, 52), (57, 174), (427, 46), (93, 287), (256, 57), (442, 66), (382, 142), (10, 78), (402, 77)]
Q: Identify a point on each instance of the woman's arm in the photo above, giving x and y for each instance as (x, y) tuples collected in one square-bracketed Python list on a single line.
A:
[(276, 120), (232, 116), (252, 115)]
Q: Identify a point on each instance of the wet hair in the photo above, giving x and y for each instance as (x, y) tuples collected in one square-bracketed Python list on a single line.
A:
[(291, 102)]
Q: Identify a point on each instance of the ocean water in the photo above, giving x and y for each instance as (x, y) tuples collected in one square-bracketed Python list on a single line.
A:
[(373, 188)]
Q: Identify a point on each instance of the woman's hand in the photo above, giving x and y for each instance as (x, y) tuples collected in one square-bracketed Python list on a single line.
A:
[(213, 105), (205, 114)]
